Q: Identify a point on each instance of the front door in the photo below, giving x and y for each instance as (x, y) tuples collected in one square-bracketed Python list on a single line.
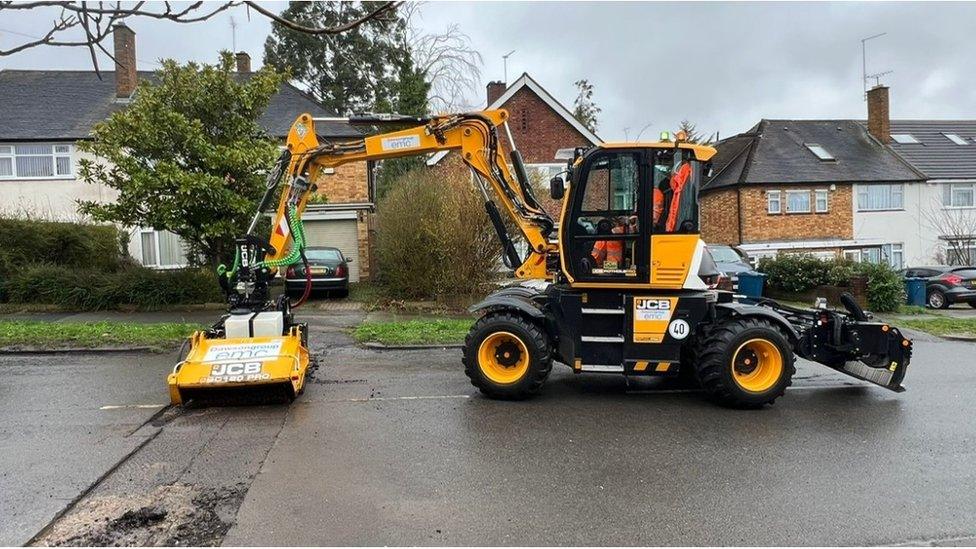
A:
[(606, 235)]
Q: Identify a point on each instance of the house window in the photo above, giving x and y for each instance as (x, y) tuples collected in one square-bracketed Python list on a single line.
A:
[(797, 201), (894, 254), (880, 197), (773, 202), (819, 151), (821, 200), (959, 195), (904, 138), (35, 161), (955, 139), (161, 249)]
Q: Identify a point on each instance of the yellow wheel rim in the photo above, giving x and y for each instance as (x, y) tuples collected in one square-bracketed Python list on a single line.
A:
[(757, 365), (503, 358)]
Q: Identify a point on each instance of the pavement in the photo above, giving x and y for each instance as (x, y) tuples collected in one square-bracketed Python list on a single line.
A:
[(397, 448)]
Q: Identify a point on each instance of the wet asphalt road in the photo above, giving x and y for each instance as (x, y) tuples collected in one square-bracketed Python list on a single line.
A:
[(396, 448)]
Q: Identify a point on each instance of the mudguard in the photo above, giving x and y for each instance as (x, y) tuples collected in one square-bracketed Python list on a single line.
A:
[(520, 298), (744, 310)]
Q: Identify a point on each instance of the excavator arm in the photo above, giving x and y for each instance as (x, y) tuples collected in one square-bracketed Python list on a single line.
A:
[(473, 135)]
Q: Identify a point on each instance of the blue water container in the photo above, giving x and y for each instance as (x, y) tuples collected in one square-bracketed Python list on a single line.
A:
[(751, 283)]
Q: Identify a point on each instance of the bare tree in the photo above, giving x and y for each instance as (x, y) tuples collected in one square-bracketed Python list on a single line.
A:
[(94, 20), (956, 228), (450, 64)]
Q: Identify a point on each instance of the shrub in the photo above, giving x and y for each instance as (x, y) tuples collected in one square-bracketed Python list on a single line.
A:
[(798, 273), (886, 288), (63, 244), (94, 289), (434, 238), (795, 272)]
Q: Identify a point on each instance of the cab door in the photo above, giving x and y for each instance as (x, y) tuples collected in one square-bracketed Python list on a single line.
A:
[(606, 236)]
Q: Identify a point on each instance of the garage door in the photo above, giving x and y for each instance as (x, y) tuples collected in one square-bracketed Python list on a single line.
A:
[(338, 233)]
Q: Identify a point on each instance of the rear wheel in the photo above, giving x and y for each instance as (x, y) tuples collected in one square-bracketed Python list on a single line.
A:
[(507, 356), (937, 300), (744, 363), (972, 304)]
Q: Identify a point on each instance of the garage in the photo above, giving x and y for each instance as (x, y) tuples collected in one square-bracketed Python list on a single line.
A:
[(336, 229)]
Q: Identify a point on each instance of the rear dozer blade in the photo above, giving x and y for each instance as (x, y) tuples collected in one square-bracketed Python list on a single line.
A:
[(879, 354), (251, 370)]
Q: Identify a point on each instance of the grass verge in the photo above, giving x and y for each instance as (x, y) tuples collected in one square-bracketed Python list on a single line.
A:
[(33, 333), (418, 331), (942, 326)]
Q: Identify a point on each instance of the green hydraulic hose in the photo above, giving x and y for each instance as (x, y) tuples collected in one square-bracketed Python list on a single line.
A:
[(298, 234)]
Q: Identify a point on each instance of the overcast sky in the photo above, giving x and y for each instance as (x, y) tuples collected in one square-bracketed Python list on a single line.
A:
[(721, 65)]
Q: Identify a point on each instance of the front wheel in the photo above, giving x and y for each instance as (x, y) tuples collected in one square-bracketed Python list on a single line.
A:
[(507, 356), (744, 363)]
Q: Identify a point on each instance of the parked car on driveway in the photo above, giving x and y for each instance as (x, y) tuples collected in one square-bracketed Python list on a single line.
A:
[(329, 269), (945, 285), (731, 261)]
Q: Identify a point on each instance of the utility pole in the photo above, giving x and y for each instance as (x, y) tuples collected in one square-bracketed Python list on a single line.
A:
[(505, 63), (233, 34), (864, 62)]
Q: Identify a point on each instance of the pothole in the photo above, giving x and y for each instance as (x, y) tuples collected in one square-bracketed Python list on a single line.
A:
[(171, 515)]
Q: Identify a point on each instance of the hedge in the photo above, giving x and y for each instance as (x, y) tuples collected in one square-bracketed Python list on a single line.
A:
[(797, 273), (83, 245), (93, 289)]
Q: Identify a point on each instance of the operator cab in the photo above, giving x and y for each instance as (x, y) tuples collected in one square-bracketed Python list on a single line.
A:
[(619, 198)]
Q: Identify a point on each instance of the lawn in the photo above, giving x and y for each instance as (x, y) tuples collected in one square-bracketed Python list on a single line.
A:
[(32, 333), (941, 326), (414, 332)]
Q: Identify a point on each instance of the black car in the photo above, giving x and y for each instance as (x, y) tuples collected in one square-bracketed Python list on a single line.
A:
[(945, 285), (731, 261), (329, 269)]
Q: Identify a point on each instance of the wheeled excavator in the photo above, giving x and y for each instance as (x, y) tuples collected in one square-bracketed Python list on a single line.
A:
[(621, 284)]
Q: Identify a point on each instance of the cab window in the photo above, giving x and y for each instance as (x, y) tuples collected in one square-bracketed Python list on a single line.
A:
[(675, 183)]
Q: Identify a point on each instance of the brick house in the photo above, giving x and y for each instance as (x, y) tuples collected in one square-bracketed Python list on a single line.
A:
[(798, 185), (540, 126), (47, 112)]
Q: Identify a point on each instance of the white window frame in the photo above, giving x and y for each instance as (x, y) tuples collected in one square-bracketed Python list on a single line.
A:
[(9, 150), (798, 192), (774, 197), (156, 250), (817, 195), (891, 193), (950, 190)]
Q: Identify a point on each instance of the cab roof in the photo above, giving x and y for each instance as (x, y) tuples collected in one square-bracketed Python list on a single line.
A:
[(702, 152)]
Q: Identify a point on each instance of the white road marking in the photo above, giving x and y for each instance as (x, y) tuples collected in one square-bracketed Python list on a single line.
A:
[(428, 397), (127, 406)]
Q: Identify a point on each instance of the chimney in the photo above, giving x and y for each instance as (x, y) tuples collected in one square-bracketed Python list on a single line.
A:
[(879, 123), (495, 90), (125, 61), (243, 62)]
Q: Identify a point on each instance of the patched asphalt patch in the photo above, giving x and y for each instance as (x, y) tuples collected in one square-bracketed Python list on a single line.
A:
[(173, 515)]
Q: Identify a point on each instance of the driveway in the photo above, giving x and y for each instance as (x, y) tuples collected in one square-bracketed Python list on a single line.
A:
[(397, 448)]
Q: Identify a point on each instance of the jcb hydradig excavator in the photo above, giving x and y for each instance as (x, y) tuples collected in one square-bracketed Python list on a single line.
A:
[(629, 284)]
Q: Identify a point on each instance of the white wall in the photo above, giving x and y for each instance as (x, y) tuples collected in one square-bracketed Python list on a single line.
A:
[(51, 199), (908, 226)]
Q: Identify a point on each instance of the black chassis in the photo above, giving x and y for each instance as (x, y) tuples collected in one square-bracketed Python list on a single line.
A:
[(846, 341)]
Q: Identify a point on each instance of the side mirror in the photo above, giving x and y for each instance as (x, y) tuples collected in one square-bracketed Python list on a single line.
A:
[(556, 188)]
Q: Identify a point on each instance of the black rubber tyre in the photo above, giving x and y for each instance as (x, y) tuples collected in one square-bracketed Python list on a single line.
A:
[(341, 294), (716, 353), (972, 304), (936, 299), (536, 344)]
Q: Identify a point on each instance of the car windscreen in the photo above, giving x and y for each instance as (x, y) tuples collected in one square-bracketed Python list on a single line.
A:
[(724, 254), (323, 255)]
